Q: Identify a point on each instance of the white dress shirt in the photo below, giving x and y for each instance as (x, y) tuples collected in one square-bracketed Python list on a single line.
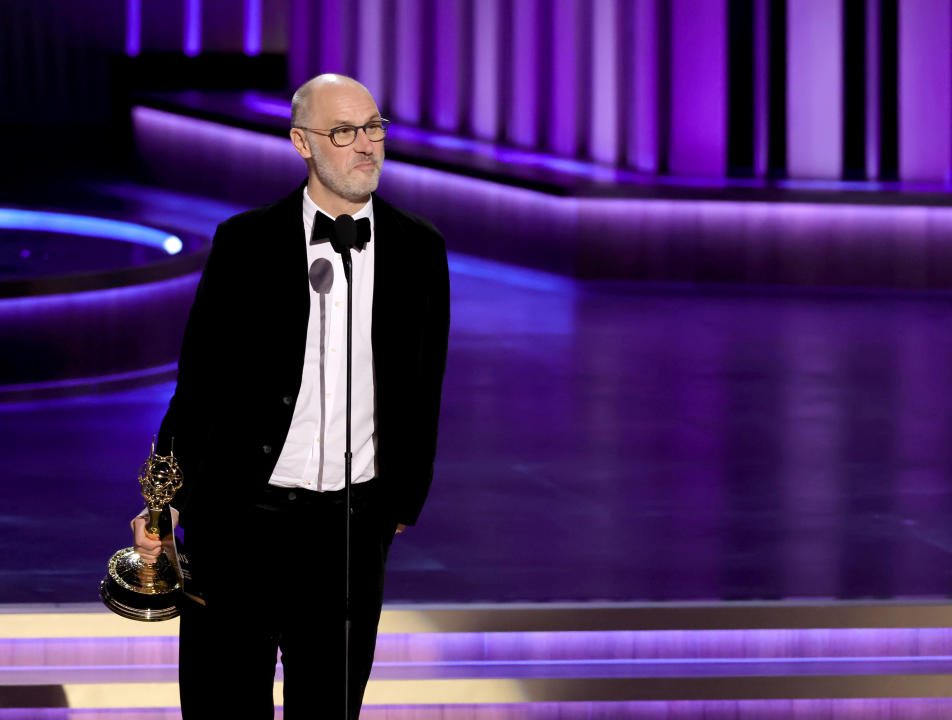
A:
[(301, 463)]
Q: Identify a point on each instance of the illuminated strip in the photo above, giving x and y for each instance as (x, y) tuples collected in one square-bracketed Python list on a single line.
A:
[(159, 371), (538, 618), (252, 27), (133, 27), (101, 624), (192, 43), (486, 691), (40, 221), (508, 274)]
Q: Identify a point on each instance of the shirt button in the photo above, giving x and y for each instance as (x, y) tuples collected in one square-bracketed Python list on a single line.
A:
[(266, 449), (286, 399)]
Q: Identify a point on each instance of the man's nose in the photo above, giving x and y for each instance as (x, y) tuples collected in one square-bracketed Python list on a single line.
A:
[(363, 143)]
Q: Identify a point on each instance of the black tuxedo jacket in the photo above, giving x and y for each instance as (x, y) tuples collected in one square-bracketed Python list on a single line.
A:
[(243, 355)]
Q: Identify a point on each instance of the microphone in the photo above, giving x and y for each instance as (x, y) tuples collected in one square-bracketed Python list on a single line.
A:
[(321, 275), (344, 238)]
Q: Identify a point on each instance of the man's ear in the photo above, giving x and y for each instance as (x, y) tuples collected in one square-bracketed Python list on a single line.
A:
[(300, 143)]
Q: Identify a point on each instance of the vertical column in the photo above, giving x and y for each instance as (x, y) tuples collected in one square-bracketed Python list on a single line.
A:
[(698, 140), (523, 107), (925, 105), (603, 138), (872, 89), (447, 65), (643, 87), (192, 40), (370, 49), (252, 28), (777, 88), (275, 28), (133, 27), (485, 105), (163, 27), (222, 26), (854, 89), (888, 90), (741, 87), (562, 128), (815, 89), (300, 43), (332, 28), (407, 75), (761, 86)]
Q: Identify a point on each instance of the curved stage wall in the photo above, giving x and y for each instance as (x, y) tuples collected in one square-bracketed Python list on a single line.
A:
[(81, 311), (657, 240)]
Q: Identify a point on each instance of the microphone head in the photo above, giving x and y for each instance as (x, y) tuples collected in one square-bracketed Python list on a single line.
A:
[(344, 236), (321, 275)]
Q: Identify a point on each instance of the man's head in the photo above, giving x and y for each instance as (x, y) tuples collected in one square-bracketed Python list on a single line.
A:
[(340, 179)]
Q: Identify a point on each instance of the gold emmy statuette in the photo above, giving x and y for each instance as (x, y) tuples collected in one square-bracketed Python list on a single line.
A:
[(137, 589)]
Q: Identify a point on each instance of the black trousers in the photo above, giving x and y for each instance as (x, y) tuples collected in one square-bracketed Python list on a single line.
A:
[(280, 586)]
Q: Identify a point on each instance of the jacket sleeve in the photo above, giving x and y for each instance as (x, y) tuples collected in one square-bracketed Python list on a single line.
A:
[(432, 362), (186, 424)]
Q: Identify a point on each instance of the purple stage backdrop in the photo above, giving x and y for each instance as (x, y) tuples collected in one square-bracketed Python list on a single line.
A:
[(682, 87)]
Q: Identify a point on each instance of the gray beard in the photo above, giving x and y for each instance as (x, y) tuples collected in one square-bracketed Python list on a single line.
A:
[(352, 190)]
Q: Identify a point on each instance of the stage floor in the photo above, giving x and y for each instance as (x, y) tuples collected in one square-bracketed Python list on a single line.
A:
[(599, 442)]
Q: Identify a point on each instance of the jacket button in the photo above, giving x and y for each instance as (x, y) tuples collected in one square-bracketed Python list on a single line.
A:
[(266, 449), (286, 399)]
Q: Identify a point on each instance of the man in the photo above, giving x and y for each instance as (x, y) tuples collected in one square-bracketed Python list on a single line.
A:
[(258, 421)]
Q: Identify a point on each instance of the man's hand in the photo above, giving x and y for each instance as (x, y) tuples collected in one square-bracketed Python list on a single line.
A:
[(148, 546), (400, 528)]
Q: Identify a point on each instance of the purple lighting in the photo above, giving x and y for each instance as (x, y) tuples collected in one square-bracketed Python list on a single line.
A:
[(659, 240), (486, 61), (522, 113), (192, 42), (252, 27), (698, 138), (406, 87), (925, 95), (445, 93), (562, 125), (643, 118), (603, 133), (133, 27), (370, 48), (87, 226), (815, 89)]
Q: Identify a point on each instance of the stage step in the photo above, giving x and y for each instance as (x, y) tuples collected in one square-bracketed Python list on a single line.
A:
[(512, 661)]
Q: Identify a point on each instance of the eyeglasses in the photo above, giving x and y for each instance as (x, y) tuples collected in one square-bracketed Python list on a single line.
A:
[(344, 135)]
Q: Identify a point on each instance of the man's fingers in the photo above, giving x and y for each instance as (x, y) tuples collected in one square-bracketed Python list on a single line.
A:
[(148, 546)]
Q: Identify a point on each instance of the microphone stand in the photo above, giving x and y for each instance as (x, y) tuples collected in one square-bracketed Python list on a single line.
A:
[(345, 256), (342, 240)]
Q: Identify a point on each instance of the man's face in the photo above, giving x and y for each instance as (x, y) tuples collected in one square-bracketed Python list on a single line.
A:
[(351, 172)]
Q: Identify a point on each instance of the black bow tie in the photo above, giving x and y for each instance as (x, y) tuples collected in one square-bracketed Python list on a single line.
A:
[(323, 228)]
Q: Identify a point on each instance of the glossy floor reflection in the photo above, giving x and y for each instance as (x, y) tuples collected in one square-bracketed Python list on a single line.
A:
[(597, 442)]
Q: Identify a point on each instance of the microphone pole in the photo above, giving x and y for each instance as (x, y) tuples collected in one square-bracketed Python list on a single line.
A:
[(342, 240)]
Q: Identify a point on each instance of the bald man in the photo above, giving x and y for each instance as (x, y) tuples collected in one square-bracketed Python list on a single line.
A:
[(258, 420)]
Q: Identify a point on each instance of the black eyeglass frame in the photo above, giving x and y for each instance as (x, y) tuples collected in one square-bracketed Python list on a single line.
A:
[(382, 122)]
